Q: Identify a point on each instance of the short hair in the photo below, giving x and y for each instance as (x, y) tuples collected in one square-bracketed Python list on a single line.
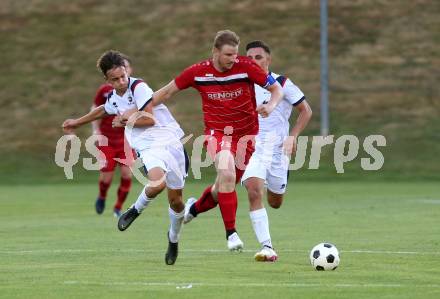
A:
[(226, 37), (111, 59), (258, 44)]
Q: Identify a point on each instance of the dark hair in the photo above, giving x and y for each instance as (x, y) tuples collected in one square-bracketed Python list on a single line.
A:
[(111, 59), (226, 37), (258, 44)]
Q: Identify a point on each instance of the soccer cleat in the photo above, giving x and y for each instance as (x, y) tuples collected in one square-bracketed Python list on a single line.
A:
[(100, 205), (234, 243), (172, 252), (266, 254), (188, 216), (117, 212), (126, 219)]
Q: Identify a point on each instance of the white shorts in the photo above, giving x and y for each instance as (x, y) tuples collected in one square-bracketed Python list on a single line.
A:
[(172, 160), (274, 171)]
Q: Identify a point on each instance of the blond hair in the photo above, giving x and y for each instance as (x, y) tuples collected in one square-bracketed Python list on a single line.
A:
[(226, 37)]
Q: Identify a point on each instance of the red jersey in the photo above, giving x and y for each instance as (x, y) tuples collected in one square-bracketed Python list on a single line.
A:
[(115, 135), (228, 98)]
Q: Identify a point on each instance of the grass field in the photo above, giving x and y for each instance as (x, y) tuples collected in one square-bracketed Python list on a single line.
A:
[(55, 246)]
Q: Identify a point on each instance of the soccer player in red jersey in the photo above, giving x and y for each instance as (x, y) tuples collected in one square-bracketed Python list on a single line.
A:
[(113, 149), (226, 85)]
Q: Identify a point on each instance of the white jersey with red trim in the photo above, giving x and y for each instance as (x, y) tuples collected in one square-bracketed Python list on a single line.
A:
[(165, 130)]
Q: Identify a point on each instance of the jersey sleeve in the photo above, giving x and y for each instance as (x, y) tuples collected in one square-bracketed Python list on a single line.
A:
[(292, 93), (186, 78), (257, 75), (142, 95), (109, 108), (101, 95)]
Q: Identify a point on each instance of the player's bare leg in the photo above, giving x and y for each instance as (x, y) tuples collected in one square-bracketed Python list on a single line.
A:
[(176, 213), (259, 219), (156, 176), (275, 200), (105, 180)]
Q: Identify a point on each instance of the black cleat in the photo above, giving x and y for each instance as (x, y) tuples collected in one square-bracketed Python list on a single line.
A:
[(172, 252), (127, 218), (100, 205)]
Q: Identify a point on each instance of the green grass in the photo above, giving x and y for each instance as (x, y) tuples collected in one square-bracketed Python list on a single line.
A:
[(55, 246)]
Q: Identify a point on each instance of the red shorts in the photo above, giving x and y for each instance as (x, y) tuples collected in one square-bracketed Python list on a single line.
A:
[(110, 153), (240, 147)]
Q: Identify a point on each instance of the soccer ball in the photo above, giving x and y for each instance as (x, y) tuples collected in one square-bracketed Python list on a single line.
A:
[(324, 256)]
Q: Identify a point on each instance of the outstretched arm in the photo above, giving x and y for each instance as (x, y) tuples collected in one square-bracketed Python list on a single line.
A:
[(276, 95), (70, 124), (165, 93), (95, 123)]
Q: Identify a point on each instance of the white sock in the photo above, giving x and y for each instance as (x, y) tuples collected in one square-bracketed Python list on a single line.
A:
[(176, 220), (260, 224), (142, 201)]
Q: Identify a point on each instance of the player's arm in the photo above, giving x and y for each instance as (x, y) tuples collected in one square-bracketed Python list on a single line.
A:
[(70, 124), (137, 118), (165, 93), (304, 116), (95, 123), (276, 95), (258, 76)]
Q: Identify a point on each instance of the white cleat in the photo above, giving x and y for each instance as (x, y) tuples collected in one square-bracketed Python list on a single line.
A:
[(234, 243), (188, 216), (266, 254)]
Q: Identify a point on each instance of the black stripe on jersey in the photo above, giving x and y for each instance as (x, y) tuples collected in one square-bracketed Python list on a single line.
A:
[(133, 85), (109, 95), (282, 80), (300, 101), (205, 83), (186, 161), (146, 103)]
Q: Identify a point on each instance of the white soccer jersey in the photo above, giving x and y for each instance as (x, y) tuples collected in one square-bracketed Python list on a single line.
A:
[(277, 123), (165, 130)]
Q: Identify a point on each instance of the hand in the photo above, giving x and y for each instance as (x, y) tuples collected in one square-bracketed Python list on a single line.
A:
[(265, 109), (289, 145), (119, 121), (69, 125)]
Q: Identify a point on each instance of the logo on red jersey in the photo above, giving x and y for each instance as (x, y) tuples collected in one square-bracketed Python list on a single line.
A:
[(225, 95)]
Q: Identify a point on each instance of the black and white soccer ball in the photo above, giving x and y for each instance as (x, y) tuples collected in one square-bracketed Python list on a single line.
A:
[(324, 256)]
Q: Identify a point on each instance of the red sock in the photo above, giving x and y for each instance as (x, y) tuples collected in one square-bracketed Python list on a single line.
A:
[(228, 208), (103, 188), (205, 202), (123, 190)]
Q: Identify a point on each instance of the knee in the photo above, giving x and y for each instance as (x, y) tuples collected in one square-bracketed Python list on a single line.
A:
[(227, 177), (176, 204), (125, 173), (153, 191), (275, 205), (254, 194), (275, 202)]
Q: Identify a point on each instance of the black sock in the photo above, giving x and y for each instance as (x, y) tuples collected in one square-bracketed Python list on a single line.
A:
[(230, 232), (192, 210)]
